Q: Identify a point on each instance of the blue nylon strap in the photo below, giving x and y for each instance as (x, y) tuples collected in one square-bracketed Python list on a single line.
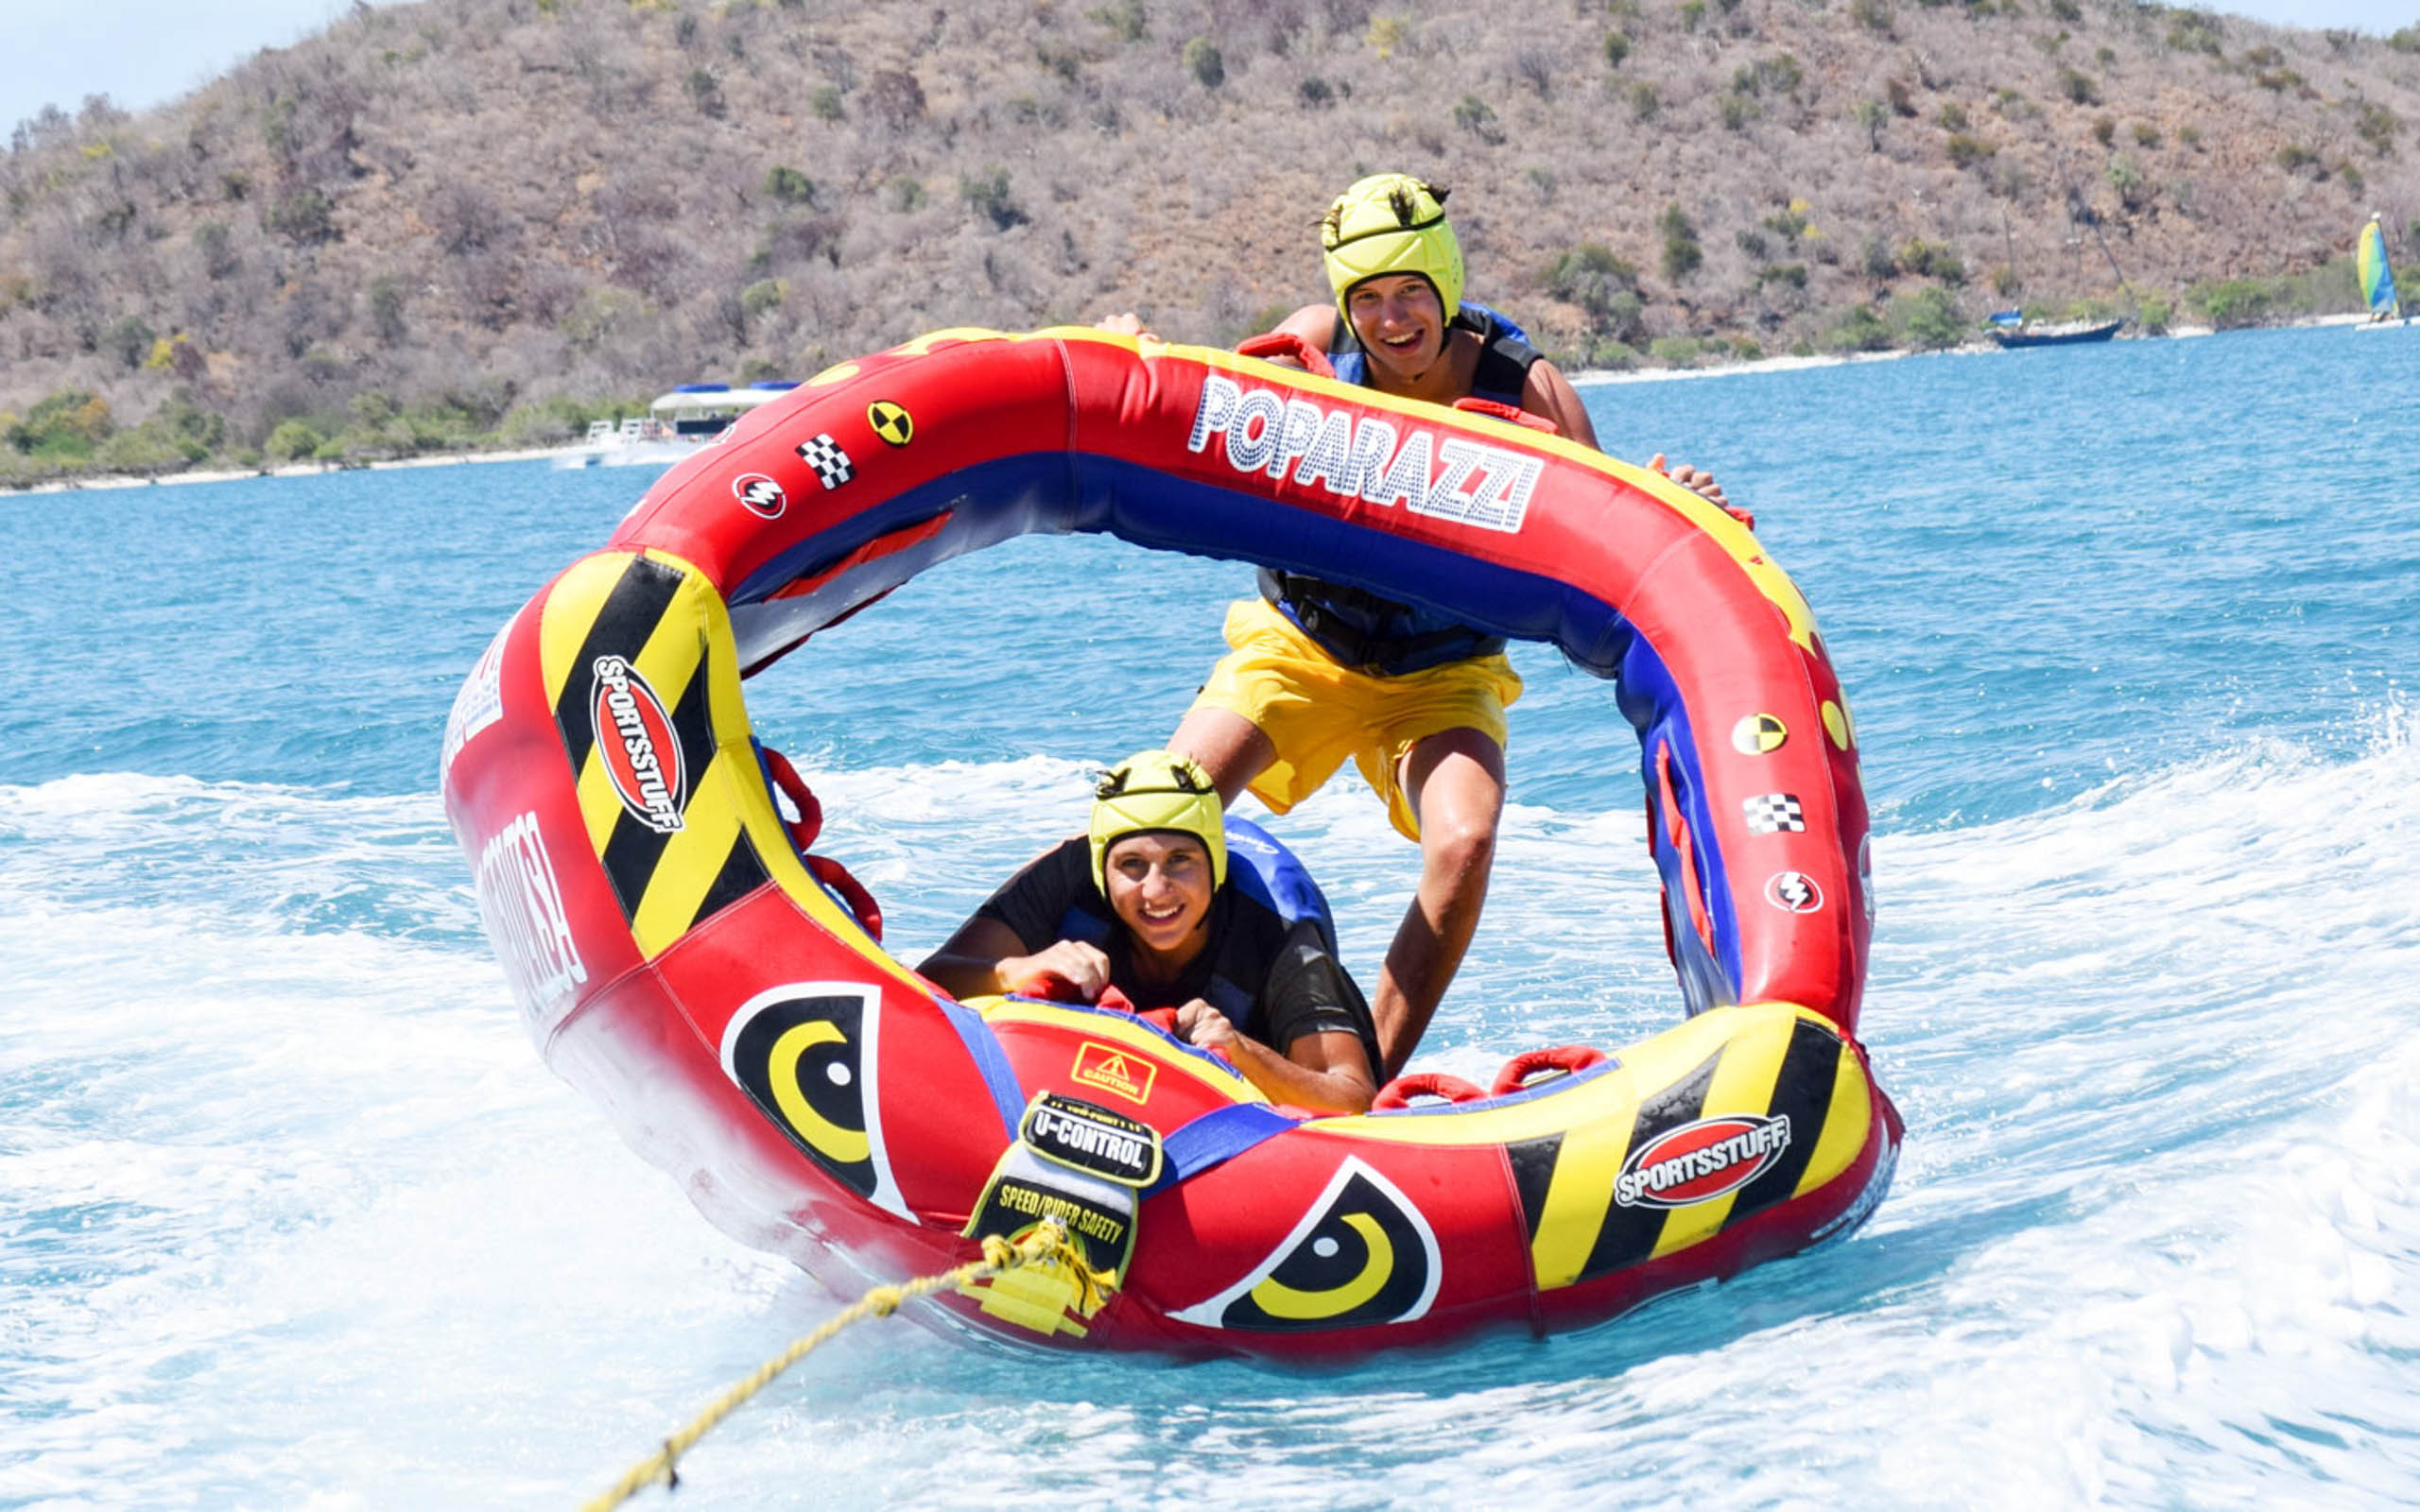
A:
[(993, 1061), (1214, 1137)]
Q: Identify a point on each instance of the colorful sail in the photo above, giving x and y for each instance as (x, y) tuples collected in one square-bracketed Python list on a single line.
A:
[(2376, 278)]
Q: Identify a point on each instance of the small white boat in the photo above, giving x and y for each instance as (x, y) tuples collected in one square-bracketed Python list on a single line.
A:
[(676, 424)]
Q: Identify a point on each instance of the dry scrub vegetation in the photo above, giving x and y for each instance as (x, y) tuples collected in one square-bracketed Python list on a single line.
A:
[(464, 221)]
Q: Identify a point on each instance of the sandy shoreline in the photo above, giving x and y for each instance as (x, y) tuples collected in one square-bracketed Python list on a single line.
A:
[(1587, 378), (291, 470)]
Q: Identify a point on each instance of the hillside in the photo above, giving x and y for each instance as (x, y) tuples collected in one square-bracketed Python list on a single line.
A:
[(465, 221)]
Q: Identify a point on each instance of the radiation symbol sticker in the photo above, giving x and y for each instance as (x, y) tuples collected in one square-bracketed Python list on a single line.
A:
[(891, 422), (1363, 1254), (804, 1056), (1758, 735)]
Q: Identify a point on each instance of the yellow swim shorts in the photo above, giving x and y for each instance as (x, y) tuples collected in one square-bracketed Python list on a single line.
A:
[(1318, 712)]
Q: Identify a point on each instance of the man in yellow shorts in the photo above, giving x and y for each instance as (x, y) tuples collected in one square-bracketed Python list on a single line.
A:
[(1320, 671)]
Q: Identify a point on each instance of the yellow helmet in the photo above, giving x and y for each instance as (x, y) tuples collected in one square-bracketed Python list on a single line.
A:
[(1157, 790), (1391, 223)]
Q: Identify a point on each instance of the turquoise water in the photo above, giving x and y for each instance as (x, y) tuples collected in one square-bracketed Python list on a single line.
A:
[(291, 1214)]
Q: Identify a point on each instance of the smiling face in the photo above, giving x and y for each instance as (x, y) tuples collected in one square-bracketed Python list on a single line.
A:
[(1158, 886), (1401, 323)]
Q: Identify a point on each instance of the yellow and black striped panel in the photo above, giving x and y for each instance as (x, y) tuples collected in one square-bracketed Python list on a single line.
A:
[(654, 621), (1582, 1193), (1753, 1063)]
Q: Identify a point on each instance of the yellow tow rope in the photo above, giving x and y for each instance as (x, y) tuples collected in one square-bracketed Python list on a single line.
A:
[(1046, 1241)]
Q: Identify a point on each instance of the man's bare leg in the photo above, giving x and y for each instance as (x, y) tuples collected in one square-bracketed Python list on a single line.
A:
[(1455, 782), (1229, 747)]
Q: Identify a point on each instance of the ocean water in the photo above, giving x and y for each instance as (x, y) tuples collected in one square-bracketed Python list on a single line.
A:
[(292, 1215)]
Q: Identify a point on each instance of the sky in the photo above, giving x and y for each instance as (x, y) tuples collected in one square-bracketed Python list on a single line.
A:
[(141, 53)]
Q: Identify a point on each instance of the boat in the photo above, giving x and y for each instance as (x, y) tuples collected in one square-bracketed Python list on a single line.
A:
[(2377, 277), (2011, 329), (680, 949), (676, 423)]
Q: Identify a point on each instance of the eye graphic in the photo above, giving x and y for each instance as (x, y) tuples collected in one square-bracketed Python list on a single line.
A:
[(1361, 1255)]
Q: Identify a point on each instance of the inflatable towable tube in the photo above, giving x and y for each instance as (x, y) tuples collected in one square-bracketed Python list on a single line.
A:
[(676, 954)]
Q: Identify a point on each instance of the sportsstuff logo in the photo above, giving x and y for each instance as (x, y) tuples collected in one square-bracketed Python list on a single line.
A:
[(1700, 1162), (1444, 476), (635, 736)]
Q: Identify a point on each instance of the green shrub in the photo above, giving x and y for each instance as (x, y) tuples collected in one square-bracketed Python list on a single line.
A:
[(823, 102), (2126, 176), (2104, 130), (2231, 303), (1602, 285), (1675, 352), (212, 240), (2405, 39), (1736, 113), (2154, 316), (1860, 330), (903, 193), (292, 439), (1476, 116), (1966, 151), (2195, 31), (387, 310), (2377, 124), (763, 295), (1644, 101), (789, 185), (1203, 60), (1616, 48), (1927, 320), (988, 192), (1871, 118), (1681, 253), (1933, 259), (2079, 89), (1125, 19), (67, 422), (129, 339), (303, 218), (1952, 117)]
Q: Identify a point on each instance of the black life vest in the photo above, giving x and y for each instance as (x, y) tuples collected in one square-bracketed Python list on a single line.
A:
[(1367, 630)]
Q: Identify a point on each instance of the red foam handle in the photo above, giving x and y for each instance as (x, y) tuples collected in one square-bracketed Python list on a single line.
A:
[(1287, 344), (1400, 1091), (1560, 1059)]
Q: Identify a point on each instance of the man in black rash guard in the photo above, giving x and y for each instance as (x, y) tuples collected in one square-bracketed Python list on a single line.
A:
[(1140, 904)]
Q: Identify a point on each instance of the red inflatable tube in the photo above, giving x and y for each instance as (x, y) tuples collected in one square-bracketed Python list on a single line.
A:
[(676, 957)]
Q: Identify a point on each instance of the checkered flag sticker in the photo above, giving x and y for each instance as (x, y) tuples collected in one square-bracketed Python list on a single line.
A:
[(1772, 812), (832, 465)]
